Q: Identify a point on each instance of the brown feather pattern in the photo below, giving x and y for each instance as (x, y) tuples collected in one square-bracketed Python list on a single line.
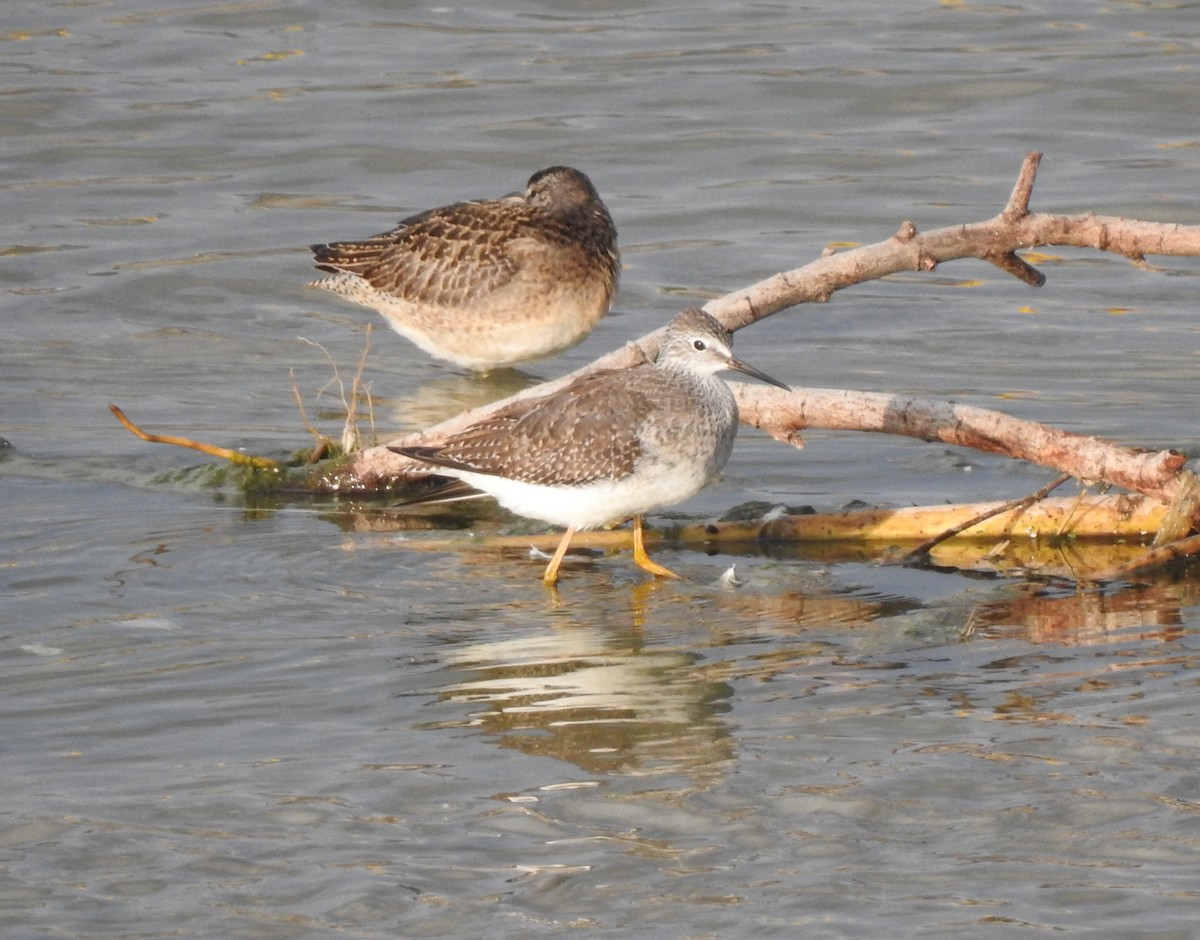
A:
[(455, 254), (572, 437)]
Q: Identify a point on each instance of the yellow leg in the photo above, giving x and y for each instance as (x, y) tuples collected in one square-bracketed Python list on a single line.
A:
[(551, 574), (644, 561)]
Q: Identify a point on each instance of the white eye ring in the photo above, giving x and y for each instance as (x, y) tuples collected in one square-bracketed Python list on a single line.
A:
[(698, 345)]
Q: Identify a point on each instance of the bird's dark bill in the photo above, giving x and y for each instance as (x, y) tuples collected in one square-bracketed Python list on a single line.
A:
[(738, 366)]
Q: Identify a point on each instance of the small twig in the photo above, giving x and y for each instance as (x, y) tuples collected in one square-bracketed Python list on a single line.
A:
[(321, 445), (1017, 206), (1069, 518), (1011, 263), (337, 375), (921, 553), (350, 433), (224, 453), (350, 436)]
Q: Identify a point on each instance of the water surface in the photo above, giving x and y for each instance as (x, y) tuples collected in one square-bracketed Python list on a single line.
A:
[(288, 720)]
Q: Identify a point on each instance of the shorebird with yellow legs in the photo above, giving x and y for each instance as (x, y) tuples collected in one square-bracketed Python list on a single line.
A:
[(610, 445)]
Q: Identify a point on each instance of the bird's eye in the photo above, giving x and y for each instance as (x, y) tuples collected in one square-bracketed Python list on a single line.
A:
[(698, 345)]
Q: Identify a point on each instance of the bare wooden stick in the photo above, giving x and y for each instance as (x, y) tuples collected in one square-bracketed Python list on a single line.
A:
[(224, 453), (921, 552), (784, 415)]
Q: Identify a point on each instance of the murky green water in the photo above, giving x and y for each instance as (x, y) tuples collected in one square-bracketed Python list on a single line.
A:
[(290, 721)]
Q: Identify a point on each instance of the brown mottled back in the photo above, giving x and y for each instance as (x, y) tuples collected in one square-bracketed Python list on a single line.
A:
[(455, 254), (578, 435)]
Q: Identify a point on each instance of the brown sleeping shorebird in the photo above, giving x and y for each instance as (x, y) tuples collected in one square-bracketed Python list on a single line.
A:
[(488, 283), (608, 446)]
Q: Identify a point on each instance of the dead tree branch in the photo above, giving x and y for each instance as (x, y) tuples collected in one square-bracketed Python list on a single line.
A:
[(784, 415), (997, 241)]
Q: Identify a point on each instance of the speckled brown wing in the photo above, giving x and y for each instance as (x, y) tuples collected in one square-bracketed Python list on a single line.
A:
[(539, 441), (446, 256)]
